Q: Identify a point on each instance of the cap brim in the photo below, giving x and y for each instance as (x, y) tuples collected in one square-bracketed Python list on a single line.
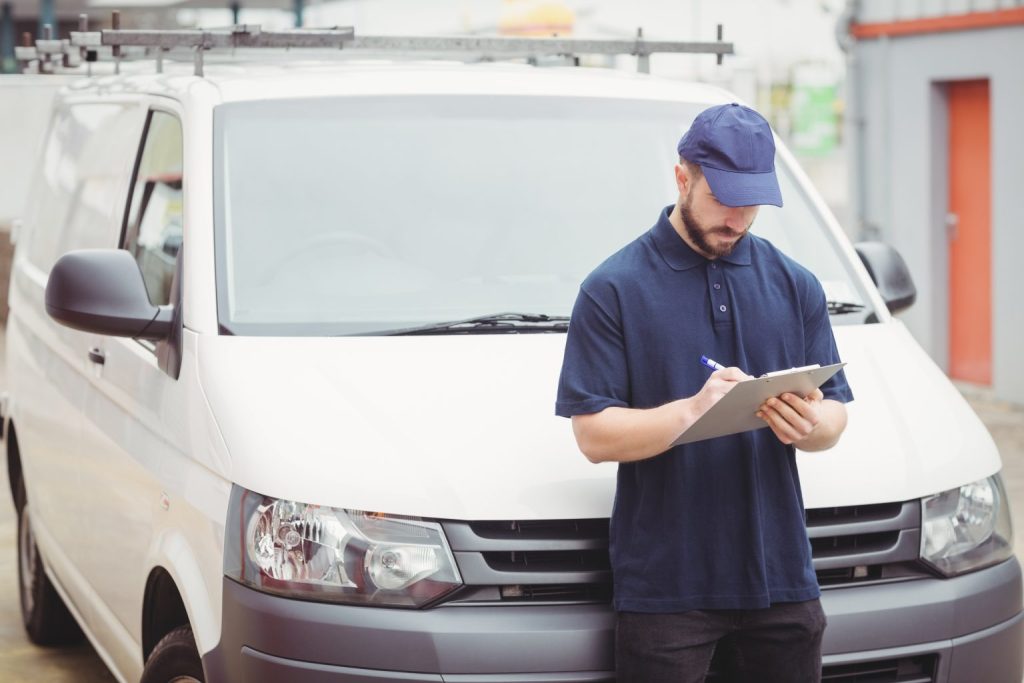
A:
[(743, 189)]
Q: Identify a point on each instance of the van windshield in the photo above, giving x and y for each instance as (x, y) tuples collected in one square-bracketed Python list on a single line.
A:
[(366, 215)]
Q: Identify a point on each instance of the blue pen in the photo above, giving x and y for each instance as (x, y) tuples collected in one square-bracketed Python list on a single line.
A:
[(707, 362)]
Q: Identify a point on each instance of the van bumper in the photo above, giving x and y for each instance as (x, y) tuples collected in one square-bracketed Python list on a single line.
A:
[(971, 627), (965, 629)]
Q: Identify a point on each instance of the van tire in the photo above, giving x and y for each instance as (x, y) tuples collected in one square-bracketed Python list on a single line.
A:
[(46, 618), (175, 659)]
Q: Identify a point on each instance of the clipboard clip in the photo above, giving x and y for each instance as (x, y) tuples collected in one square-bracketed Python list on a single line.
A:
[(790, 370)]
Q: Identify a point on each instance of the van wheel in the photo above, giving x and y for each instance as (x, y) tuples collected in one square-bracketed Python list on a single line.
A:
[(175, 659), (47, 620)]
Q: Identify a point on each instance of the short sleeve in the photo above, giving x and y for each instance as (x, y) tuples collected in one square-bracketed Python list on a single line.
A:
[(594, 371), (820, 343)]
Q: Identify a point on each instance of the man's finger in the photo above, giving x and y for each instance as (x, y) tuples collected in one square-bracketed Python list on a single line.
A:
[(782, 429), (732, 374), (803, 407), (785, 417), (788, 413)]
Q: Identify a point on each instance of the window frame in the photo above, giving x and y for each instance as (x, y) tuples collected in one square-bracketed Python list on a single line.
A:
[(151, 109)]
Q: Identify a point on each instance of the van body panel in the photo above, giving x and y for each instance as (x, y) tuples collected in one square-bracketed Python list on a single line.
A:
[(188, 559), (895, 446), (265, 636), (453, 79), (78, 595), (199, 297), (923, 610), (375, 417)]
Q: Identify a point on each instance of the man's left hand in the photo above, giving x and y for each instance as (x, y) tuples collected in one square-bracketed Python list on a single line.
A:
[(792, 418)]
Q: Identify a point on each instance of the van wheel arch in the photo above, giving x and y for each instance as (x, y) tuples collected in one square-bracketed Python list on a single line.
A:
[(163, 610)]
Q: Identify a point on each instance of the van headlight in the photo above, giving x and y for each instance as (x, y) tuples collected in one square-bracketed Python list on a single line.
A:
[(315, 552), (966, 528)]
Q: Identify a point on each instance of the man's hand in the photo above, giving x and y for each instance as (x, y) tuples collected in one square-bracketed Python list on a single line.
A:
[(717, 385), (810, 424), (792, 418)]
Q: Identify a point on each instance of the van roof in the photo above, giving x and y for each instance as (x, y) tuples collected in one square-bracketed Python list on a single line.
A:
[(240, 80)]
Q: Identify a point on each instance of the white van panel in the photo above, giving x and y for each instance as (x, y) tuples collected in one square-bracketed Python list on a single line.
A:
[(200, 299), (369, 423), (896, 445)]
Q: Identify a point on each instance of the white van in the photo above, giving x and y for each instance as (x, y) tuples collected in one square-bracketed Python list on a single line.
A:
[(283, 348)]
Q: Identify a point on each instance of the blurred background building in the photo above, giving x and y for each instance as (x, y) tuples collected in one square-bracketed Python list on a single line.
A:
[(903, 113), (935, 92)]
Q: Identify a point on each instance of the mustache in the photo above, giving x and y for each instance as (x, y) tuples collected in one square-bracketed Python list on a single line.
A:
[(726, 231)]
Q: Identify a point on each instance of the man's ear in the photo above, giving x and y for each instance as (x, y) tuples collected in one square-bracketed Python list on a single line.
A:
[(683, 180)]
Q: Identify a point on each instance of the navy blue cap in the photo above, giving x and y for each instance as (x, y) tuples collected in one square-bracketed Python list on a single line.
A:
[(734, 147)]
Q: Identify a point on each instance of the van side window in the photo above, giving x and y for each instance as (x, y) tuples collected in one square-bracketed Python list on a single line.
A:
[(153, 226)]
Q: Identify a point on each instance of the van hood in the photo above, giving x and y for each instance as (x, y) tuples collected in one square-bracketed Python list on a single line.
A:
[(463, 427)]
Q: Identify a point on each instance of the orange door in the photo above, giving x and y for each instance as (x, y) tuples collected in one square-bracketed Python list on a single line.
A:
[(970, 238)]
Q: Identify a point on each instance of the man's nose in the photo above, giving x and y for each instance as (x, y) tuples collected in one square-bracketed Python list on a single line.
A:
[(736, 219)]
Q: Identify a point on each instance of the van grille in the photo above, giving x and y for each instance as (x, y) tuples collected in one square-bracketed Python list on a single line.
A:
[(567, 560), (862, 543), (902, 670)]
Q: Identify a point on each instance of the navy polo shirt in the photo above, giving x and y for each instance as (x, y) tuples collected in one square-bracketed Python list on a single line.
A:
[(717, 524)]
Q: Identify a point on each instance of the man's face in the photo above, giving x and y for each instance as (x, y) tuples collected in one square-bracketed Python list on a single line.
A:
[(713, 228)]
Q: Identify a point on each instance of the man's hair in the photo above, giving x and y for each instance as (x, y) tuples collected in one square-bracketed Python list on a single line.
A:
[(695, 171)]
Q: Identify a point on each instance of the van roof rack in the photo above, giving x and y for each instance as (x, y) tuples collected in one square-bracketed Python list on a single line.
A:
[(116, 43)]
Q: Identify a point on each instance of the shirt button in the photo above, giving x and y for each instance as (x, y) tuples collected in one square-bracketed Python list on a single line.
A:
[(722, 308), (714, 266), (718, 286)]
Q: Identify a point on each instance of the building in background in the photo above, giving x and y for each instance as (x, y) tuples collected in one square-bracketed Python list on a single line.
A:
[(936, 92)]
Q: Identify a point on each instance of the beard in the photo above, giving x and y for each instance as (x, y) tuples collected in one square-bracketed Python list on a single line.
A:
[(699, 235)]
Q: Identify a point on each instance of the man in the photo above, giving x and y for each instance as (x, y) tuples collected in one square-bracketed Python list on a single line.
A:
[(708, 544)]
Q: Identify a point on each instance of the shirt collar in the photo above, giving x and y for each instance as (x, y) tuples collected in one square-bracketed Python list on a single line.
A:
[(740, 256), (678, 254)]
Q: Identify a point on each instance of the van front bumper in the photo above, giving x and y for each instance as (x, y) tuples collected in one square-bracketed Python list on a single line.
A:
[(965, 629)]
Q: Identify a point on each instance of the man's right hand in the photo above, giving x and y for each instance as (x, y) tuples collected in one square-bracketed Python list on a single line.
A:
[(718, 385)]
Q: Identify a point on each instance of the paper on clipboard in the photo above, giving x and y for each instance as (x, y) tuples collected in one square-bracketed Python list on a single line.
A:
[(735, 412)]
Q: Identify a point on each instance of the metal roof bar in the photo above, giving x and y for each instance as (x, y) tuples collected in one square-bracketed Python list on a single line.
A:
[(535, 47), (253, 36), (247, 36)]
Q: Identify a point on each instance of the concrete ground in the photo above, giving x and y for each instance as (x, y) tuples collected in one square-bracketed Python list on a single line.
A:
[(23, 662)]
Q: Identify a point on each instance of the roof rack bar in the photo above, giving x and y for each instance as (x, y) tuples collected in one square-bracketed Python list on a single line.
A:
[(240, 36), (253, 37), (89, 43), (537, 46)]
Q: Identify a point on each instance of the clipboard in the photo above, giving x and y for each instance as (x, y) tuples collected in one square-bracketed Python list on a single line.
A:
[(735, 412)]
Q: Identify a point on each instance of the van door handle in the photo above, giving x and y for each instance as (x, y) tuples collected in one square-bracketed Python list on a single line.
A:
[(97, 356)]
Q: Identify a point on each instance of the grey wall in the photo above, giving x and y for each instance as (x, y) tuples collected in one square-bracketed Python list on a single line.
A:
[(903, 193)]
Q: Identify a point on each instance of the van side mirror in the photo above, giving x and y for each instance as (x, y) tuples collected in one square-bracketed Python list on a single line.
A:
[(102, 291), (890, 274)]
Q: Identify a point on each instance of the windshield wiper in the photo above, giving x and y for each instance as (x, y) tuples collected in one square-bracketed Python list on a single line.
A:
[(498, 323), (839, 307)]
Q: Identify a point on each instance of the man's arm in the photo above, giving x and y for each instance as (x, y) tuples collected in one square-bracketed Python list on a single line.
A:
[(629, 434), (811, 424)]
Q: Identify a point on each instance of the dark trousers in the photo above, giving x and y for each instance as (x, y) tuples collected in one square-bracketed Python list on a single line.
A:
[(781, 644)]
